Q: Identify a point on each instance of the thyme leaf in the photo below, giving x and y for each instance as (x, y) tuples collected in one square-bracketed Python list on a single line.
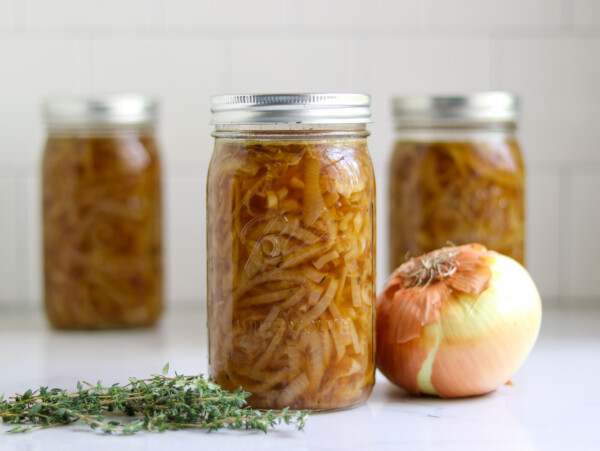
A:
[(158, 403)]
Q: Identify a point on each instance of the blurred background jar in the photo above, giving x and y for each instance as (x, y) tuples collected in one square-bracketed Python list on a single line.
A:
[(102, 223), (291, 249), (457, 175)]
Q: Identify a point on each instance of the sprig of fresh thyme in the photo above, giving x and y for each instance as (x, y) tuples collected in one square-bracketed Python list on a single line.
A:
[(159, 403)]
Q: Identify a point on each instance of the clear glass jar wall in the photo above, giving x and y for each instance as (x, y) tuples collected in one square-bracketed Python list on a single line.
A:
[(102, 222), (291, 264), (457, 176)]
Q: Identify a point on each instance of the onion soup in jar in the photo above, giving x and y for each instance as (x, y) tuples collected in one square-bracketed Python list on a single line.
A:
[(291, 244)]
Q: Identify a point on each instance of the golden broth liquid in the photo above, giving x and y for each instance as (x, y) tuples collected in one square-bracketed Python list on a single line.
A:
[(102, 231), (291, 271), (458, 193)]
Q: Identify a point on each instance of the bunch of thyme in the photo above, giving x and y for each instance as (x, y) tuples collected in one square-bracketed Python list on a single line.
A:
[(159, 403)]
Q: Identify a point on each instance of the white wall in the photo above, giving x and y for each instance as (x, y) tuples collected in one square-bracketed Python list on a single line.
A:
[(185, 50)]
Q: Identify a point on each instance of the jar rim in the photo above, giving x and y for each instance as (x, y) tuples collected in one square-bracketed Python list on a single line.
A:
[(291, 108), (101, 110), (434, 110)]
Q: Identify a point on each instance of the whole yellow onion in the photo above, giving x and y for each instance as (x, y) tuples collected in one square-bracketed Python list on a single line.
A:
[(456, 322)]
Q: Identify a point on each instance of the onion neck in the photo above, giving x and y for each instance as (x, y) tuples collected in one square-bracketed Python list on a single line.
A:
[(430, 268)]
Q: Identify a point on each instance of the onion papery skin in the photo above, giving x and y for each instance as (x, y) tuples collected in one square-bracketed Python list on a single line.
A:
[(478, 343)]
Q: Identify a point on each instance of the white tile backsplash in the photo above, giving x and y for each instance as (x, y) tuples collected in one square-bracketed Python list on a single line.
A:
[(490, 14), (31, 265), (32, 70), (543, 223), (417, 65), (291, 65), (8, 241), (582, 235), (558, 81), (85, 14), (185, 244), (184, 51), (225, 13), (584, 13), (358, 16), (8, 13)]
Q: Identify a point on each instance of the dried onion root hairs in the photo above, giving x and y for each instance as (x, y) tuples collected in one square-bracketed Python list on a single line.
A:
[(290, 271), (458, 321)]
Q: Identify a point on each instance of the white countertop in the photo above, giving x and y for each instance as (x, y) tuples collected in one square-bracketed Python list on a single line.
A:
[(554, 403)]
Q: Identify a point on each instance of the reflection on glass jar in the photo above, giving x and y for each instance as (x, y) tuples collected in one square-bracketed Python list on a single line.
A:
[(102, 213), (291, 253), (457, 176)]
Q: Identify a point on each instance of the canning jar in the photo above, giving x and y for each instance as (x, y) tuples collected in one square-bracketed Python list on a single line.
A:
[(102, 225), (291, 244), (457, 175)]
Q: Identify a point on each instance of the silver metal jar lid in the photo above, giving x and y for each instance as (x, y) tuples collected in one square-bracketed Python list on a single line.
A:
[(114, 109), (483, 107), (310, 108)]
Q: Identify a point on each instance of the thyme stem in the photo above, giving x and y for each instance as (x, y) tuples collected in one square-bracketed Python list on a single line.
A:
[(158, 403)]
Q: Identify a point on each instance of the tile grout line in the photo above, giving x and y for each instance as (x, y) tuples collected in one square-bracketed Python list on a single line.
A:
[(583, 167), (295, 29)]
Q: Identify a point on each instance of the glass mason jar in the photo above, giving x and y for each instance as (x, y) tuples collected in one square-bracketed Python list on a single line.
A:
[(457, 175), (102, 223), (291, 244)]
